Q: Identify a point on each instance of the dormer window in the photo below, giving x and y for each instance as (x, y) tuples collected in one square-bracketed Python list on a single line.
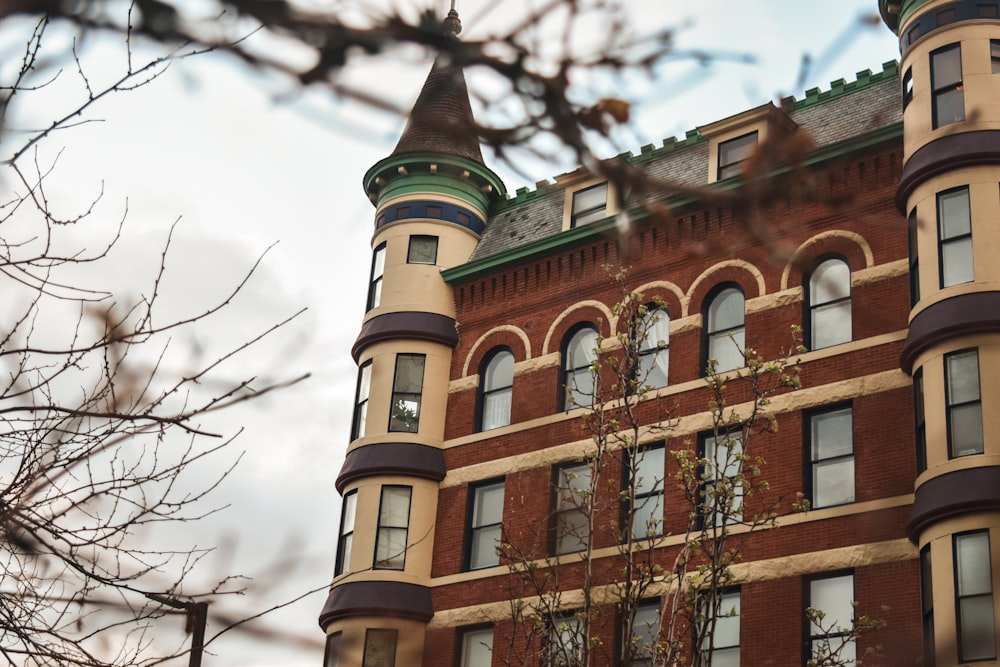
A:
[(590, 205), (734, 152)]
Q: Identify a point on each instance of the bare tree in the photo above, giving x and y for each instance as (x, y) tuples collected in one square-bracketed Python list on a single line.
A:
[(104, 413), (564, 606)]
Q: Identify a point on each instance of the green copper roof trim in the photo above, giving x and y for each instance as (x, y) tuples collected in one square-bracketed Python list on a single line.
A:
[(840, 87), (581, 235), (479, 175), (441, 184)]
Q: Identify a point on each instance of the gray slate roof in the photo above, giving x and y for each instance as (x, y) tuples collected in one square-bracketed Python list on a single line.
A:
[(846, 111)]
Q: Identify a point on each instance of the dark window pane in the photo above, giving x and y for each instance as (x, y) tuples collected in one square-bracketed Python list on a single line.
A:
[(422, 250), (380, 648)]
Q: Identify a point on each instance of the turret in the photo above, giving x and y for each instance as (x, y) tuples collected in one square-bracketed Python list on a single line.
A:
[(432, 196), (949, 191)]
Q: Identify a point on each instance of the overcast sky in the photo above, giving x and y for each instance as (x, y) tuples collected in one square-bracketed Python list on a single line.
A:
[(244, 164)]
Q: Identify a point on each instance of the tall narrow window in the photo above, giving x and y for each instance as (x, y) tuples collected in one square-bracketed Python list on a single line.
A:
[(654, 349), (380, 647), (946, 86), (393, 527), (920, 429), (331, 657), (831, 447), (830, 304), (995, 56), (914, 258), (572, 525), (347, 513), (476, 648), (422, 250), (734, 152), (404, 416), (965, 409), (495, 384), (907, 88), (578, 355), (974, 596), (375, 285), (485, 519), (723, 493), (724, 643), (645, 633), (927, 604), (644, 479), (590, 205), (832, 634), (955, 234), (361, 400), (725, 336)]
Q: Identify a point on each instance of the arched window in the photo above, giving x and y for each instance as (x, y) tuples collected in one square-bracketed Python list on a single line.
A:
[(654, 348), (829, 302), (495, 382), (725, 333), (578, 354)]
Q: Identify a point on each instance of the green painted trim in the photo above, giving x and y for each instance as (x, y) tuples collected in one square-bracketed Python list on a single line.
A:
[(908, 8), (432, 184), (839, 88), (479, 176), (588, 233)]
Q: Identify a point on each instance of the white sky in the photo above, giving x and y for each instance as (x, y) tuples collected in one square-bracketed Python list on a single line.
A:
[(213, 145)]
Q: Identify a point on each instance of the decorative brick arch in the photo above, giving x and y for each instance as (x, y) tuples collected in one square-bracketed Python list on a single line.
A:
[(672, 295), (737, 271), (852, 247), (591, 311), (505, 335)]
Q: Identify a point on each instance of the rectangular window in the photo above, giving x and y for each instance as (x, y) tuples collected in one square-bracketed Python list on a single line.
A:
[(564, 645), (920, 429), (995, 56), (331, 657), (380, 647), (955, 237), (476, 648), (723, 644), (645, 633), (946, 86), (422, 250), (590, 205), (644, 476), (407, 385), (393, 526), (573, 493), (914, 258), (927, 604), (361, 400), (831, 457), (733, 152), (832, 634), (375, 284), (962, 397), (987, 11), (485, 520), (974, 596), (347, 513), (723, 494), (907, 88)]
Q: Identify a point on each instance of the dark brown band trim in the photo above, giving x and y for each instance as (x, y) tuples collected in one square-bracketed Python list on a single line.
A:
[(978, 312), (953, 494), (377, 598), (964, 149), (407, 325), (392, 458)]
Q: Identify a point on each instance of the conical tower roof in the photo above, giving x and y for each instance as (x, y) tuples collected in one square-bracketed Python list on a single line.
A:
[(441, 120)]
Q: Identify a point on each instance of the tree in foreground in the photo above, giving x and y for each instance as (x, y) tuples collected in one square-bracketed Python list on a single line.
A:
[(670, 600), (104, 412)]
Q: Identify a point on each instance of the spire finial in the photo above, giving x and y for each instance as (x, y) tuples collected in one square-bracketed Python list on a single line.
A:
[(452, 24)]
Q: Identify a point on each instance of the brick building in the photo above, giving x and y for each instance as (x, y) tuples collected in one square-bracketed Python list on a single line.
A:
[(484, 311)]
